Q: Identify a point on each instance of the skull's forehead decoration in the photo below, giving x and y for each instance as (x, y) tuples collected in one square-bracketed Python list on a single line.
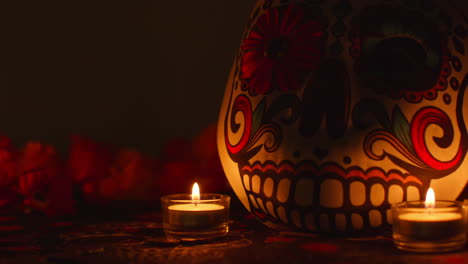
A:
[(336, 109)]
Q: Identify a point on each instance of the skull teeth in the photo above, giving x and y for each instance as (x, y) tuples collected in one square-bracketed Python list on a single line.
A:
[(256, 181), (357, 221), (284, 187), (304, 194), (375, 218), (395, 194), (412, 194), (331, 193), (329, 209), (268, 185), (357, 193), (377, 194)]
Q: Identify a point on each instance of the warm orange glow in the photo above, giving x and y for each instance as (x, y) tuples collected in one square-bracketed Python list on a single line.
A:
[(430, 198), (195, 193)]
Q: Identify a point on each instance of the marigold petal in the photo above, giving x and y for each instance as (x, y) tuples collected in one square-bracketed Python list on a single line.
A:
[(251, 61), (255, 34), (291, 20), (253, 44), (304, 57), (304, 42), (287, 78), (261, 80), (272, 27), (260, 26), (272, 16)]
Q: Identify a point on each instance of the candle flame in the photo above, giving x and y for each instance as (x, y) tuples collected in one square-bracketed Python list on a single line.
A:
[(195, 193), (430, 198)]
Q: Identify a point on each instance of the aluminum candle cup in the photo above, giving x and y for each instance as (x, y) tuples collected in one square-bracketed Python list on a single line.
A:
[(465, 211), (420, 229), (186, 219)]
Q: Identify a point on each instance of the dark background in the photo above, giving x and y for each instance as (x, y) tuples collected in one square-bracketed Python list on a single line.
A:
[(130, 73)]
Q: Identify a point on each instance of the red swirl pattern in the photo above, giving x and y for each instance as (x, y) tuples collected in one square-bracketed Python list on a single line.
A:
[(424, 118), (243, 105)]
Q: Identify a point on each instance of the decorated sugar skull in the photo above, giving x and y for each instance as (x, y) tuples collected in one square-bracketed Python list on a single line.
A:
[(334, 110)]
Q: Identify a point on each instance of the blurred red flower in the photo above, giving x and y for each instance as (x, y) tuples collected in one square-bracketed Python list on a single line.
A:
[(132, 177), (101, 174), (177, 148), (205, 154), (89, 160), (8, 171), (196, 161), (42, 181), (281, 50), (104, 174)]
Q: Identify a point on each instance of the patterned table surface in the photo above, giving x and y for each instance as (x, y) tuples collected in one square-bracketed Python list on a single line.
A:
[(139, 239)]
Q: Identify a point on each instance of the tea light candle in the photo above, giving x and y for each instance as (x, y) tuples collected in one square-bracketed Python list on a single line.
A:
[(195, 216), (465, 211), (430, 226)]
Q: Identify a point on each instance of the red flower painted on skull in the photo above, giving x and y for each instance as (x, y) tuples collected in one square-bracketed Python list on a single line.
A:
[(279, 52)]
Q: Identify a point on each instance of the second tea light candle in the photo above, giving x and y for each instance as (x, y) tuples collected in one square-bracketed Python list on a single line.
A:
[(430, 226)]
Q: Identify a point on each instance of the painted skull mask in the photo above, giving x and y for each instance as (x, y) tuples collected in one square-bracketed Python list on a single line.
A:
[(334, 110)]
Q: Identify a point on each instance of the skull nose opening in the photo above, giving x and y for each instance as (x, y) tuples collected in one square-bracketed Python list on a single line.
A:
[(403, 64), (327, 96)]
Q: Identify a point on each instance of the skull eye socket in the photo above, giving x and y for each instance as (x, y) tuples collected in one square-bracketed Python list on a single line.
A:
[(400, 52), (402, 63)]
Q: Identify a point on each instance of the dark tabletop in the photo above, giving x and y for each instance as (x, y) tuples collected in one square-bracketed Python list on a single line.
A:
[(139, 239)]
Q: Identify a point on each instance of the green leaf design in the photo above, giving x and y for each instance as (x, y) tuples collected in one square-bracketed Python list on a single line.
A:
[(401, 128), (257, 116)]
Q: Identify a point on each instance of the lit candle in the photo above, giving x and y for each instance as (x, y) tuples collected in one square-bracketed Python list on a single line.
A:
[(428, 226), (196, 216), (465, 212)]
